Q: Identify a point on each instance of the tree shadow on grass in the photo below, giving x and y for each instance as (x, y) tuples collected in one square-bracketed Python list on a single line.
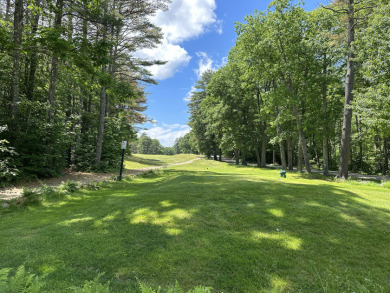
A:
[(147, 161), (233, 233)]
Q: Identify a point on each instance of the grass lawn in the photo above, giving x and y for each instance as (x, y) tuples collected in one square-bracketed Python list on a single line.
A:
[(234, 228), (139, 161)]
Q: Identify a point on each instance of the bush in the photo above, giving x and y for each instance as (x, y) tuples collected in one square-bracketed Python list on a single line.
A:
[(30, 197), (68, 186)]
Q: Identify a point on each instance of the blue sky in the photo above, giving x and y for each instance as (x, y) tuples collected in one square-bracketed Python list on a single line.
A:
[(198, 35)]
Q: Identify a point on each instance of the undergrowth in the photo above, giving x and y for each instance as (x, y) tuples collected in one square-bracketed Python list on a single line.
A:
[(24, 282)]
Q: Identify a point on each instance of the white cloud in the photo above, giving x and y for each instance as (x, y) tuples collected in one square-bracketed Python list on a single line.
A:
[(187, 98), (176, 56), (167, 133), (184, 20), (205, 63)]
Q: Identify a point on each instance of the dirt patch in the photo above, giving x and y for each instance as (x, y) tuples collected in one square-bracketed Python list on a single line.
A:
[(80, 177)]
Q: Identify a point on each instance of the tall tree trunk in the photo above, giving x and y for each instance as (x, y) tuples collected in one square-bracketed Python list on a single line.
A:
[(385, 156), (84, 94), (33, 57), (290, 154), (273, 157), (237, 156), (325, 150), (54, 63), (17, 35), (7, 9), (102, 115), (302, 140), (299, 157), (264, 147), (258, 160), (349, 81), (281, 143), (220, 155)]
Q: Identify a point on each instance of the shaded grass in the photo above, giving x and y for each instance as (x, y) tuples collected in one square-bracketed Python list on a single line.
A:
[(234, 228), (139, 161)]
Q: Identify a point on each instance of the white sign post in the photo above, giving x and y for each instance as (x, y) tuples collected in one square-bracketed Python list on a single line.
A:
[(123, 147)]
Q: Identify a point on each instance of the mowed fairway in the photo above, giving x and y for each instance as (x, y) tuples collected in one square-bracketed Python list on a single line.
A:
[(234, 228)]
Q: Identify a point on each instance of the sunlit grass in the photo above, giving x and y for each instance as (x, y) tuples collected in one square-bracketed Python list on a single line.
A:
[(234, 228)]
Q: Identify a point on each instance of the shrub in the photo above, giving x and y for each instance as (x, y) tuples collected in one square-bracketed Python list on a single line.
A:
[(30, 197), (68, 186)]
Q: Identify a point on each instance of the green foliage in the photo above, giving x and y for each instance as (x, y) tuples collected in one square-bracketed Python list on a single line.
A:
[(68, 187), (20, 282), (93, 286), (173, 289), (64, 69), (146, 145), (7, 153)]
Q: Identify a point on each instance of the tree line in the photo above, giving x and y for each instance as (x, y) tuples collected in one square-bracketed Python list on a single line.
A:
[(302, 88), (146, 145), (71, 85)]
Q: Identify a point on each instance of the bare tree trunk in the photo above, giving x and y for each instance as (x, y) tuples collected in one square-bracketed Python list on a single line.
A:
[(237, 156), (281, 143), (325, 150), (349, 81), (18, 27), (385, 156), (299, 157), (264, 147), (290, 154), (273, 157), (102, 115), (84, 93), (302, 140), (220, 155), (33, 58), (54, 63), (258, 160)]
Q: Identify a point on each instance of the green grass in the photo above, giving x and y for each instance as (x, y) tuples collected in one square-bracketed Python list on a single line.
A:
[(139, 161), (233, 228)]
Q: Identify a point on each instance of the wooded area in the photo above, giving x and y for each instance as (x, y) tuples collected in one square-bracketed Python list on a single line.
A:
[(71, 86), (302, 88), (147, 145)]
